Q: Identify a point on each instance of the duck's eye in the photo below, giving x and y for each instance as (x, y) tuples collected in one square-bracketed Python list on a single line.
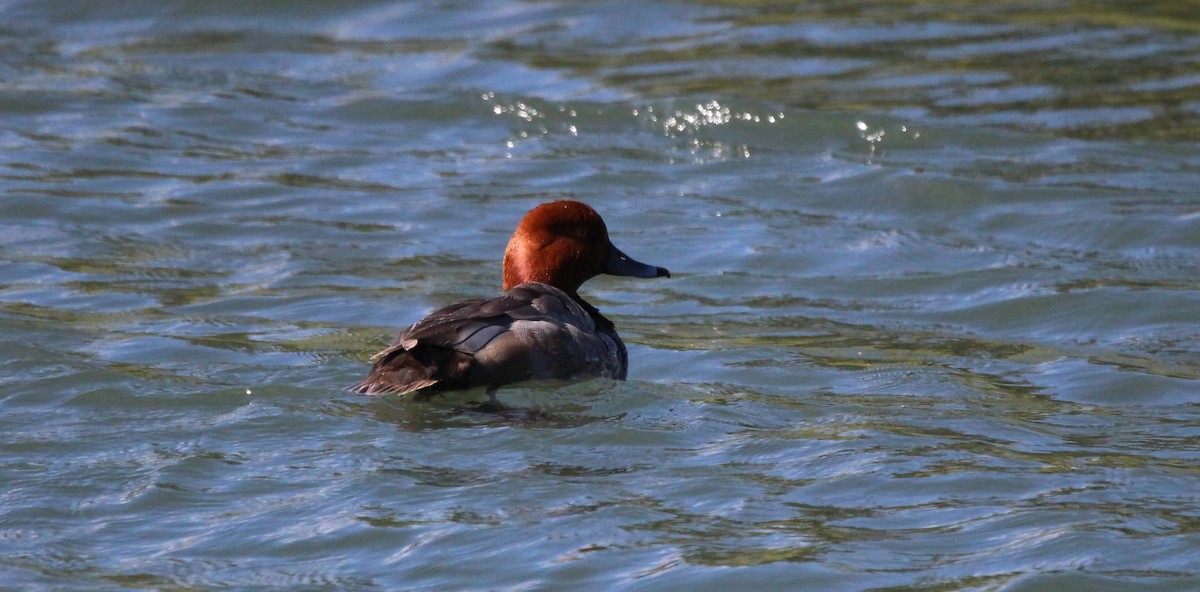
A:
[(581, 234)]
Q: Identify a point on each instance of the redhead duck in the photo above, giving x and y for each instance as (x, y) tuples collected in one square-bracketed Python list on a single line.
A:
[(539, 328)]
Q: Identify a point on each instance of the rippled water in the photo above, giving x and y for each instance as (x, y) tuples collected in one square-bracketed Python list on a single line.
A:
[(932, 323)]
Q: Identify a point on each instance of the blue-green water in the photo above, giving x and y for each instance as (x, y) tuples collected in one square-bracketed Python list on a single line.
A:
[(933, 324)]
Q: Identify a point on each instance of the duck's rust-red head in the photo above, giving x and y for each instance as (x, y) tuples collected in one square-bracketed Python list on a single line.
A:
[(563, 244)]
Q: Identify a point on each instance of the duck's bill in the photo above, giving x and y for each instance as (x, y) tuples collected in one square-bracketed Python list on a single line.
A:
[(621, 264)]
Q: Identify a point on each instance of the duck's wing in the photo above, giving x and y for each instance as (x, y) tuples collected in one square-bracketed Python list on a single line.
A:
[(449, 349)]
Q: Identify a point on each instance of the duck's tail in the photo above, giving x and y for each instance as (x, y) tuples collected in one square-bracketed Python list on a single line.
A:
[(410, 366)]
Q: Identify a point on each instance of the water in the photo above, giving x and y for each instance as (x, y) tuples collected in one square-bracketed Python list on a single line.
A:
[(932, 323)]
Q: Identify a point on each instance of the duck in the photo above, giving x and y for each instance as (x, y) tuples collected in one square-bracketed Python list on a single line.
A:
[(539, 328)]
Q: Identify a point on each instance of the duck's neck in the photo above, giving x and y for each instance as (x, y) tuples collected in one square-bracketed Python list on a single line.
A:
[(601, 321)]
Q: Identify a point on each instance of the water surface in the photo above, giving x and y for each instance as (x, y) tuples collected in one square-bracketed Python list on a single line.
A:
[(932, 323)]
